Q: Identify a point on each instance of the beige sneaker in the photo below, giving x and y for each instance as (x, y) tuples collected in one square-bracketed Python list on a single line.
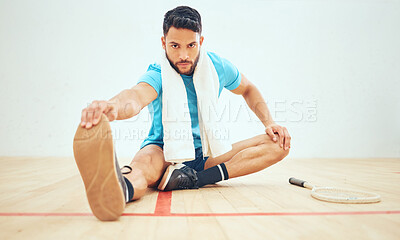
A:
[(105, 186)]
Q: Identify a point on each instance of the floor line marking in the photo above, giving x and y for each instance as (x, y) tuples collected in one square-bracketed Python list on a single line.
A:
[(163, 204), (163, 209), (162, 214)]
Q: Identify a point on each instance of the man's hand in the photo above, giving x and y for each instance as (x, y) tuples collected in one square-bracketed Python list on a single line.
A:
[(92, 114), (284, 137)]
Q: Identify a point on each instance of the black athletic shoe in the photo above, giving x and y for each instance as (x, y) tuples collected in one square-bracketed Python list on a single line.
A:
[(178, 176), (121, 179)]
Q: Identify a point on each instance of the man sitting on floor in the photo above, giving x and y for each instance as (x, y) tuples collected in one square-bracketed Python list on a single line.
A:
[(187, 76)]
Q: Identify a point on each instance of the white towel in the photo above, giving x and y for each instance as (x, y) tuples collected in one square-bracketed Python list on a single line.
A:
[(178, 138)]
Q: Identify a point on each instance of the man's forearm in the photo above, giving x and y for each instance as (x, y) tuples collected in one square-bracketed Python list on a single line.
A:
[(257, 104), (127, 104)]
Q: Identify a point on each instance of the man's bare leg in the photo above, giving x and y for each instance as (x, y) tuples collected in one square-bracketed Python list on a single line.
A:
[(148, 166), (250, 156), (246, 157)]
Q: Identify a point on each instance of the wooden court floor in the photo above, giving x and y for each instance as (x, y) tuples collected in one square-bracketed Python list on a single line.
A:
[(44, 198)]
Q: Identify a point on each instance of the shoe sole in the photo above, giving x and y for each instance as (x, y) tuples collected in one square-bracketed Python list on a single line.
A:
[(94, 155), (167, 175)]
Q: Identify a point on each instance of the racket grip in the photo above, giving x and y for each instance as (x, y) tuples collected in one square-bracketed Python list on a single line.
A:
[(297, 182)]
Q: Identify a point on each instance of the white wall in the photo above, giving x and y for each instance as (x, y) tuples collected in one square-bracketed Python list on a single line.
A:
[(329, 70)]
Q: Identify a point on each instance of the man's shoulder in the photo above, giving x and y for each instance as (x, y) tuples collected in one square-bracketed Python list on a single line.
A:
[(156, 67), (153, 72), (219, 62), (215, 58), (153, 77)]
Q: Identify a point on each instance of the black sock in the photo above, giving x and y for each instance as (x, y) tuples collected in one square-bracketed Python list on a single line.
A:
[(130, 189), (212, 175)]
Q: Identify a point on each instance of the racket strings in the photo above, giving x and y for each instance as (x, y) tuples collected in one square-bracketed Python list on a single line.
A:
[(344, 195)]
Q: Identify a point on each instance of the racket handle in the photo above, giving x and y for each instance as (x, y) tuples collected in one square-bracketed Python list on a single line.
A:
[(300, 183)]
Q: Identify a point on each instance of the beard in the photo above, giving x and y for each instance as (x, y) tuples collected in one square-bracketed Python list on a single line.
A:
[(188, 72)]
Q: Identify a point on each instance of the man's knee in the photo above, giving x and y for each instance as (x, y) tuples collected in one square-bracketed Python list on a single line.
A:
[(264, 139), (273, 149), (148, 155), (142, 158), (152, 163)]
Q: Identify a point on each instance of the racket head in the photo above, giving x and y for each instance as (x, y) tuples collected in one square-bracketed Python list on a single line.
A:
[(342, 195)]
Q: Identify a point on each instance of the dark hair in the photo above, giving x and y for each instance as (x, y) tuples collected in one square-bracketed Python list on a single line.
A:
[(182, 17)]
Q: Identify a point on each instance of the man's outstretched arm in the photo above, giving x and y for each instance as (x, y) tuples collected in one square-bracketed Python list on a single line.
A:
[(257, 104), (126, 104)]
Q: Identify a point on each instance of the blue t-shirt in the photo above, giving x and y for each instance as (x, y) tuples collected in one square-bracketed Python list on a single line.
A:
[(229, 77)]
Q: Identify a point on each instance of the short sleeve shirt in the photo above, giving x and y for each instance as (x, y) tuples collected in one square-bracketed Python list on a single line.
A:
[(229, 78)]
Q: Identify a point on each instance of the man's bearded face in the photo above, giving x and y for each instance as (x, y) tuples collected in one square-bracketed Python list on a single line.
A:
[(185, 67), (182, 48)]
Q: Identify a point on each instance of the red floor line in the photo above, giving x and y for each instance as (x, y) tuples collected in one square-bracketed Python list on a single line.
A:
[(31, 214), (163, 209), (163, 214), (280, 214), (163, 204)]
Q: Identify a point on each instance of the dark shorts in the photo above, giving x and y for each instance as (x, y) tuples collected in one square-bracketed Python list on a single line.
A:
[(198, 163)]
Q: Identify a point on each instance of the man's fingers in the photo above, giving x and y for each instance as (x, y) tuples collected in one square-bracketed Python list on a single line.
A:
[(111, 112), (99, 110), (111, 116), (287, 139), (89, 117), (284, 137), (281, 136), (91, 113), (270, 133), (83, 117)]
